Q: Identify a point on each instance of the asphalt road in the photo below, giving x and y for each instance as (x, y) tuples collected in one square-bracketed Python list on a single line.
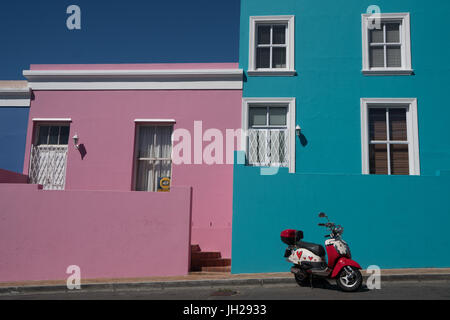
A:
[(402, 290)]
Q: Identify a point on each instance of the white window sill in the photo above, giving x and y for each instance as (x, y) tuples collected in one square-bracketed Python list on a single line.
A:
[(388, 72), (275, 72)]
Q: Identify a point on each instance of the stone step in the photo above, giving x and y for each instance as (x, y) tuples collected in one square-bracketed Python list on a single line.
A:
[(211, 263), (216, 269), (205, 255), (208, 261)]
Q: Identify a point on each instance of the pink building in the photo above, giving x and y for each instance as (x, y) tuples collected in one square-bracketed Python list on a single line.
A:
[(97, 134)]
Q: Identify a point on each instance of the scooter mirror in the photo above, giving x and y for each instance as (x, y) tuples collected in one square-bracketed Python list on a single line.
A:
[(322, 215)]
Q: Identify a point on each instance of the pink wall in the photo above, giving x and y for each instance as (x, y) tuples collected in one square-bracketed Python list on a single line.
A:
[(104, 122), (12, 177), (108, 234)]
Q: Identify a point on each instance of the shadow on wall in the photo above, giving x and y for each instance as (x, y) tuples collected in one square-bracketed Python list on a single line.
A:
[(82, 150), (303, 139)]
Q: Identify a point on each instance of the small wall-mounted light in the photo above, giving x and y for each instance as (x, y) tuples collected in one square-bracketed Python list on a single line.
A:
[(75, 141), (298, 130)]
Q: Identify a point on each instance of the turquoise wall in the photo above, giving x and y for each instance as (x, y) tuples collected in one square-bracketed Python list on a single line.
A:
[(329, 84), (390, 221)]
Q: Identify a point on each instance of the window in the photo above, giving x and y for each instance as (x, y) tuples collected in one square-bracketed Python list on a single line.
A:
[(48, 159), (271, 45), (270, 139), (389, 137), (153, 156), (386, 44), (52, 135)]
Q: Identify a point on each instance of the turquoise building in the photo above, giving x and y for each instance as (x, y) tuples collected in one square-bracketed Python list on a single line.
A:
[(345, 109)]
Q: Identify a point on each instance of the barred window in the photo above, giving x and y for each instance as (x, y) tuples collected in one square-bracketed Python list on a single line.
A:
[(268, 136)]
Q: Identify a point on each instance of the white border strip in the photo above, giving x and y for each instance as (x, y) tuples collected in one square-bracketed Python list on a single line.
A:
[(193, 79), (14, 102), (155, 120), (15, 97), (52, 119)]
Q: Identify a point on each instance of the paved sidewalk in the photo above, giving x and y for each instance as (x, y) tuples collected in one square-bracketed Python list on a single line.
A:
[(206, 279)]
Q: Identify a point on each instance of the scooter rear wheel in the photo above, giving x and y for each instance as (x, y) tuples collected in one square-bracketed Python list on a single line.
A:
[(349, 279), (302, 279)]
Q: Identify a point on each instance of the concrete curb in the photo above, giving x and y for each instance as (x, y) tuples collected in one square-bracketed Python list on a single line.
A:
[(160, 285)]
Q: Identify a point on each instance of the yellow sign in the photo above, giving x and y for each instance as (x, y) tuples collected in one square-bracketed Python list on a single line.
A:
[(164, 185)]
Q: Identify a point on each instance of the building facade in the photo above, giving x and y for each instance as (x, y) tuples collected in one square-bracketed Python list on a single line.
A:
[(135, 170), (99, 134), (346, 103)]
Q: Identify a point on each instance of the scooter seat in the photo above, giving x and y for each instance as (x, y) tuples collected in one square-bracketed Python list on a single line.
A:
[(317, 249)]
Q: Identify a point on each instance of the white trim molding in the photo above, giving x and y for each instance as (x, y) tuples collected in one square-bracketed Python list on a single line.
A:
[(184, 79), (291, 122), (52, 120), (155, 120), (289, 20), (14, 94), (412, 129), (405, 43)]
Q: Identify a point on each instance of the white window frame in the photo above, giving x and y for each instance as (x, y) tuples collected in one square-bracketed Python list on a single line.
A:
[(139, 123), (290, 121), (288, 20), (411, 124), (405, 40), (37, 124)]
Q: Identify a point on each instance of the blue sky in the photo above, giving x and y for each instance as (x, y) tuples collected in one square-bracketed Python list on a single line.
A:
[(131, 31)]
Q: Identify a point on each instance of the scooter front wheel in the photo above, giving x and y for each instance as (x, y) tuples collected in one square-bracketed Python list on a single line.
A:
[(349, 279)]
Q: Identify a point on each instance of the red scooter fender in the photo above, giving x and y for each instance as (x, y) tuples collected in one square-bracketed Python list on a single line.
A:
[(343, 262)]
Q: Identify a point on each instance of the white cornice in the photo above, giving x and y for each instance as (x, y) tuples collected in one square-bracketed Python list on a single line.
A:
[(187, 79), (14, 97)]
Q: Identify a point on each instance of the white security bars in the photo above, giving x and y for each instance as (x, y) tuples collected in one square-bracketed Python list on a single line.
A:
[(48, 158), (268, 136)]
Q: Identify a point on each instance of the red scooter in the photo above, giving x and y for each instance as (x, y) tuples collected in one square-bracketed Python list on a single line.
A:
[(309, 258)]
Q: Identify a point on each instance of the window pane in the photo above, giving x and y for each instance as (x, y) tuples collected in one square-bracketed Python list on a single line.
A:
[(64, 135), (278, 147), (376, 57), (43, 135), (394, 57), (144, 177), (376, 36), (277, 116), (279, 34), (377, 124), (146, 142), (257, 146), (263, 58), (399, 159), (397, 125), (257, 116), (393, 32), (263, 35), (279, 58), (54, 134), (163, 147), (378, 159)]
